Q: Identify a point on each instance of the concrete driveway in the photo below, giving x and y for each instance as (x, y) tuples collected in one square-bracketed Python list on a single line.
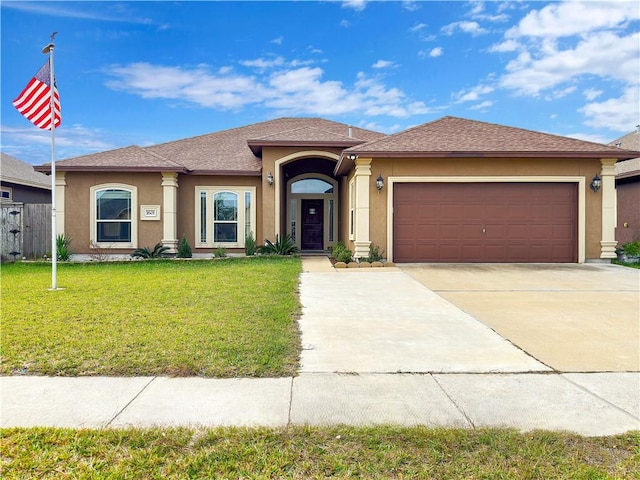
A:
[(380, 320), (572, 318)]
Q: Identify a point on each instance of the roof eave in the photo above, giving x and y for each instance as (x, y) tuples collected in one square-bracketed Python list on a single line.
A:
[(240, 173), (256, 146), (78, 168), (345, 164)]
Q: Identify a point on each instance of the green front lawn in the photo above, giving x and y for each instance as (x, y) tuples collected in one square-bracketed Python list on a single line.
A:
[(223, 318), (305, 452)]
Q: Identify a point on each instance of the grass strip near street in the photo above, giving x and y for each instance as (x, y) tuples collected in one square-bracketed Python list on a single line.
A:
[(233, 317), (306, 452)]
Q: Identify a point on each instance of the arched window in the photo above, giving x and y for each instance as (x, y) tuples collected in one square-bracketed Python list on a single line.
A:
[(311, 185)]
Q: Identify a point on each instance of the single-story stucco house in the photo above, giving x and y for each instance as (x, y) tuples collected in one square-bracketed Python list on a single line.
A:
[(452, 190), (628, 190)]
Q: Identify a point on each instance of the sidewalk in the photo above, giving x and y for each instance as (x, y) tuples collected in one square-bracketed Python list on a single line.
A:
[(362, 363), (591, 404)]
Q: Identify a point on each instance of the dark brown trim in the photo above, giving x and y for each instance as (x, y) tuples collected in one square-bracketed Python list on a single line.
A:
[(63, 168)]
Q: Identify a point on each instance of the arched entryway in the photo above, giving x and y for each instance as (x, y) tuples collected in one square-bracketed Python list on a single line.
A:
[(312, 211)]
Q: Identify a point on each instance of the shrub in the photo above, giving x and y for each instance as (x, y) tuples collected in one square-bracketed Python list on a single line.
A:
[(249, 245), (341, 253), (63, 250), (631, 249), (184, 249), (159, 251), (220, 252), (283, 246), (375, 255)]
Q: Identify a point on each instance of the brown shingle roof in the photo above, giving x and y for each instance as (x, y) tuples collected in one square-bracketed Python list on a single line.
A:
[(305, 136), (132, 158), (228, 152), (458, 137)]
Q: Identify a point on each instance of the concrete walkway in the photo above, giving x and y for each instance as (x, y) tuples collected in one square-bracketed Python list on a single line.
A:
[(365, 361)]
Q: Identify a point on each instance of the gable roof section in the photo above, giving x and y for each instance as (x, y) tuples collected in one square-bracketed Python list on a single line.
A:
[(304, 136), (229, 152), (458, 137), (127, 159), (628, 168), (16, 171)]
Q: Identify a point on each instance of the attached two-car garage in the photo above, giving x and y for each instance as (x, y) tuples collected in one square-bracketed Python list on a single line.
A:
[(485, 222)]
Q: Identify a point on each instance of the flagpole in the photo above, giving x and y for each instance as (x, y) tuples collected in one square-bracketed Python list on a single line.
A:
[(54, 250)]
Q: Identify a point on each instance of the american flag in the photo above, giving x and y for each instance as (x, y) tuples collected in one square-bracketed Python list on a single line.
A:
[(35, 100)]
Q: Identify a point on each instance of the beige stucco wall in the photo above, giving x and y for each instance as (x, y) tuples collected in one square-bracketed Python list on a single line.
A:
[(486, 167), (78, 199)]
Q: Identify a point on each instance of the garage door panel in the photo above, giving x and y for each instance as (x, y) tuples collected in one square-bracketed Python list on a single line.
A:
[(485, 222)]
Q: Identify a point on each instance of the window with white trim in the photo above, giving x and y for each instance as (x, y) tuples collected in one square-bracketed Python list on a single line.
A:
[(352, 208), (224, 216), (114, 215)]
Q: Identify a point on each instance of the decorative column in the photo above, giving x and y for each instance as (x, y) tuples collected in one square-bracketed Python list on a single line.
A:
[(61, 185), (170, 210), (362, 178), (608, 242)]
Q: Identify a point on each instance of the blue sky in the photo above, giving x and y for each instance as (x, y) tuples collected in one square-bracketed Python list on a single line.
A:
[(148, 72)]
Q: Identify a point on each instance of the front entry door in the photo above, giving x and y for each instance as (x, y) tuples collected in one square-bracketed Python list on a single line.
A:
[(312, 224)]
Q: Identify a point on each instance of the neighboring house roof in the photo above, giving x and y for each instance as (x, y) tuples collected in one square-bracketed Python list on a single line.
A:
[(18, 172), (459, 137), (229, 152), (628, 168)]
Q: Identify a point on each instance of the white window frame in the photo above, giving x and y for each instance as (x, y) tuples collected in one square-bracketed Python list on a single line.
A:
[(133, 190), (209, 220), (9, 191), (352, 208)]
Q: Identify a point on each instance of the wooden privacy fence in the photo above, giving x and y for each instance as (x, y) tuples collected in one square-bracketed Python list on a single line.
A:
[(25, 231)]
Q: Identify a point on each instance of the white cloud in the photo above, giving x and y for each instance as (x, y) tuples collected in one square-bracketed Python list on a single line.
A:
[(436, 52), (560, 93), (482, 106), (383, 64), (574, 18), (603, 54), (509, 45), (263, 62), (591, 93), (286, 90), (357, 5), (589, 137), (411, 5), (278, 41), (474, 94), (418, 27), (478, 12), (620, 114), (472, 28), (345, 23), (34, 146)]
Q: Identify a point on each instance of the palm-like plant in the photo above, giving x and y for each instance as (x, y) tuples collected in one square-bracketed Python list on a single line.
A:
[(282, 246), (159, 251)]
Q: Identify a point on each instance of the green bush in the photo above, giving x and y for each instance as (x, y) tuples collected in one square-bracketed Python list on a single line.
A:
[(341, 253), (220, 252), (375, 254), (159, 251), (283, 246), (63, 250), (249, 245), (184, 249), (631, 249)]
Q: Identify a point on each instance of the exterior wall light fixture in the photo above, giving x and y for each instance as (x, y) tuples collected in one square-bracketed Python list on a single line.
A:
[(352, 156), (270, 179), (379, 182), (596, 183)]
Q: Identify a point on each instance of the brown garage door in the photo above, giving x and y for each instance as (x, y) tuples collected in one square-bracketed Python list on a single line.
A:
[(485, 222)]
